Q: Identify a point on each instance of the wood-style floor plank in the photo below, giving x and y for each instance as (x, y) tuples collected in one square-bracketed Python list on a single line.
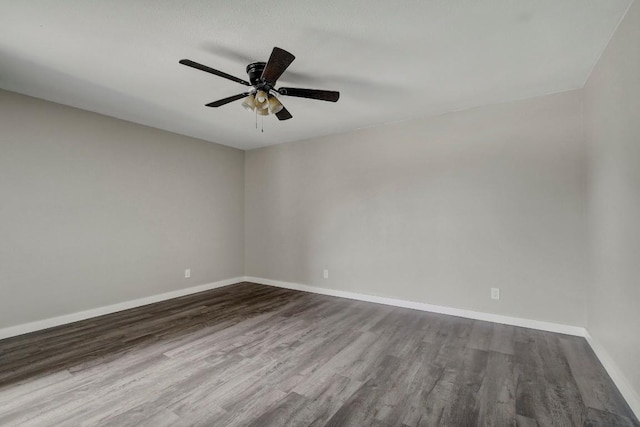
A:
[(250, 354)]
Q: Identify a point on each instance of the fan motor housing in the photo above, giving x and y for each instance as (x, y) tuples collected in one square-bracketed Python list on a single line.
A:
[(254, 70)]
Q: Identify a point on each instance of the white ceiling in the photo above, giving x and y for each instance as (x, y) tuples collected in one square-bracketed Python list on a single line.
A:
[(391, 60)]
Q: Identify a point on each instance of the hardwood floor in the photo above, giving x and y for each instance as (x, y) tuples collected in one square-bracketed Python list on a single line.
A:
[(255, 355)]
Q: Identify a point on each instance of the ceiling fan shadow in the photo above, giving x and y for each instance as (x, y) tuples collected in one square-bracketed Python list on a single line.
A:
[(229, 53), (351, 86), (246, 59)]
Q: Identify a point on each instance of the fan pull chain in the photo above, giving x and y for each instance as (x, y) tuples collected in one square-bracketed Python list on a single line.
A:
[(262, 124), (256, 110)]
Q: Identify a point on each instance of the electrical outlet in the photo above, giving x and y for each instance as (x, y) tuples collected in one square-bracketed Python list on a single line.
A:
[(187, 273), (495, 293), (325, 273)]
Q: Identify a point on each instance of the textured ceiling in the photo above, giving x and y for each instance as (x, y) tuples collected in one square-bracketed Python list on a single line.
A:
[(391, 60)]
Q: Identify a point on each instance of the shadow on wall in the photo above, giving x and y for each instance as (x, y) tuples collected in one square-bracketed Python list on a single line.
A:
[(47, 82)]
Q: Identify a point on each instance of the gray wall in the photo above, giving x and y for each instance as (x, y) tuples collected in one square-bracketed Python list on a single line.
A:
[(96, 211), (436, 210), (612, 116)]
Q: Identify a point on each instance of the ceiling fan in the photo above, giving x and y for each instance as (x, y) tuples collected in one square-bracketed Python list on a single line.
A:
[(263, 77)]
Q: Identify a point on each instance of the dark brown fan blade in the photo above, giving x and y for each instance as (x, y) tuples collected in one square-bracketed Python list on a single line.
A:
[(279, 60), (283, 114), (192, 64), (323, 95), (224, 101)]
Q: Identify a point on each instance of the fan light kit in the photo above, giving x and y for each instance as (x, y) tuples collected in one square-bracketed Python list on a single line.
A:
[(262, 103), (263, 77)]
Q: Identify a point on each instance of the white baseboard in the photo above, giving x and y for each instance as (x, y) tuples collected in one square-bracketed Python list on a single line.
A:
[(489, 317), (25, 328), (620, 380)]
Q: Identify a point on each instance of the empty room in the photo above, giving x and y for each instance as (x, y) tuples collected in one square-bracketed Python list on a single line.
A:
[(339, 213)]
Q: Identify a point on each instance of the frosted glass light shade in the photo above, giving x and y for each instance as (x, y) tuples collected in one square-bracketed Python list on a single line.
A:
[(262, 111), (274, 105), (249, 103), (261, 99)]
